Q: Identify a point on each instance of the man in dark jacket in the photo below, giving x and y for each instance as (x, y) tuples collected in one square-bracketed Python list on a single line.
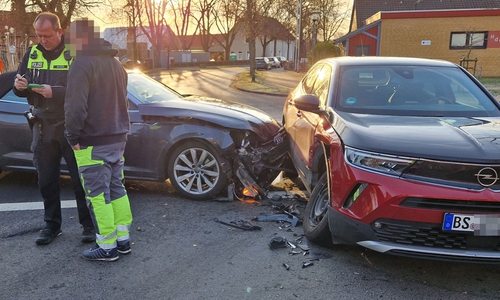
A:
[(47, 64), (97, 123)]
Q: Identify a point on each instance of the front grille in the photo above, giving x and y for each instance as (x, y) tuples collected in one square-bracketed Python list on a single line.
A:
[(461, 175), (452, 205), (276, 148), (431, 235)]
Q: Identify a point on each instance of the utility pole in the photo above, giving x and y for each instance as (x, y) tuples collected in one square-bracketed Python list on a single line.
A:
[(314, 16), (299, 35)]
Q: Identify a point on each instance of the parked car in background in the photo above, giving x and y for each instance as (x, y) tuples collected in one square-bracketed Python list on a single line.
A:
[(275, 63), (203, 145), (262, 63), (141, 64), (400, 155), (283, 60)]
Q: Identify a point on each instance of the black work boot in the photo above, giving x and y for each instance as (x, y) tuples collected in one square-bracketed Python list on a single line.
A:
[(47, 236)]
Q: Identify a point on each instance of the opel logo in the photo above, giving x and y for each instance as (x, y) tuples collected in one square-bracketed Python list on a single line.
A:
[(487, 177)]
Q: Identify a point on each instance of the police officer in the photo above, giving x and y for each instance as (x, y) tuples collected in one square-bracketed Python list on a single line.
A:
[(47, 64)]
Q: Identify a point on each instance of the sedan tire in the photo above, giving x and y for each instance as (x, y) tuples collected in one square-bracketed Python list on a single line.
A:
[(316, 214), (195, 171)]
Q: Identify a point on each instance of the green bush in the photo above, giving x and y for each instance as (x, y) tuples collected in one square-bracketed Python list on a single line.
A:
[(324, 50)]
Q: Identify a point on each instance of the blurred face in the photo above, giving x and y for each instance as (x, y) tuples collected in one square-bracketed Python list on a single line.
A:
[(47, 36), (81, 33)]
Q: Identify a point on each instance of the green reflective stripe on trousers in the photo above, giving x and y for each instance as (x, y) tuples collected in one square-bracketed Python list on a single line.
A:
[(106, 242), (84, 157), (123, 215), (105, 222)]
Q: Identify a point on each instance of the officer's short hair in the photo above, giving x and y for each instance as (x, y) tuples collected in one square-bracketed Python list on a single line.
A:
[(48, 16)]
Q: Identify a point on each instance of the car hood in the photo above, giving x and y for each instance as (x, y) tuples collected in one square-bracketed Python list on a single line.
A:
[(474, 140), (223, 113)]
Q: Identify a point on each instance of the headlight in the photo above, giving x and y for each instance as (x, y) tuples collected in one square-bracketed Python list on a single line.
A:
[(388, 164)]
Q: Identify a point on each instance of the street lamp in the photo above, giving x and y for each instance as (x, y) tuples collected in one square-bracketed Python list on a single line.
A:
[(299, 35), (314, 17), (7, 42), (13, 47)]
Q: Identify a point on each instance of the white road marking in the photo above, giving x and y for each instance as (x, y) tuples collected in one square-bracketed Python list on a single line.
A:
[(33, 205)]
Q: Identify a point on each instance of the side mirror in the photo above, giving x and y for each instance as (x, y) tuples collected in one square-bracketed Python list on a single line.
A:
[(308, 103)]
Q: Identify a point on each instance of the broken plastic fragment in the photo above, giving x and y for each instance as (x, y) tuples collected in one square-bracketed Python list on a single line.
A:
[(280, 217), (307, 264), (277, 242), (287, 267), (303, 247), (242, 224)]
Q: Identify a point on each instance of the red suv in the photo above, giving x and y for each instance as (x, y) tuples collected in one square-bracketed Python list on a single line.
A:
[(400, 155)]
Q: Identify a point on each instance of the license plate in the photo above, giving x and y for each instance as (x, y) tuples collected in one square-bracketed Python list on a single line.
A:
[(457, 222), (480, 225)]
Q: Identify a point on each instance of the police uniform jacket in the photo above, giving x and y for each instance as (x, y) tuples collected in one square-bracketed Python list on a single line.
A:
[(46, 67)]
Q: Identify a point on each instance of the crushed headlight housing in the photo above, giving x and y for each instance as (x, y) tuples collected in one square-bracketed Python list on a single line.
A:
[(382, 163)]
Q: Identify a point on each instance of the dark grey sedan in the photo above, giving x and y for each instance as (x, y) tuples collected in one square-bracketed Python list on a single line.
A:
[(203, 145)]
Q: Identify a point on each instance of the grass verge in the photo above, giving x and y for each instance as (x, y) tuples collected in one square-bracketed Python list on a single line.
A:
[(492, 84), (244, 82)]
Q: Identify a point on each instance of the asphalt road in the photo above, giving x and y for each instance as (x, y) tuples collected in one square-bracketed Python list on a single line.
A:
[(217, 82), (180, 252)]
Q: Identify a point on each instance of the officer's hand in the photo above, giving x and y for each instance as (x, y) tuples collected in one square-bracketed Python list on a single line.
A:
[(76, 147), (46, 91), (20, 83)]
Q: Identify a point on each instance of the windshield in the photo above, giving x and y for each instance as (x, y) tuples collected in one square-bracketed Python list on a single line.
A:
[(412, 90), (148, 90)]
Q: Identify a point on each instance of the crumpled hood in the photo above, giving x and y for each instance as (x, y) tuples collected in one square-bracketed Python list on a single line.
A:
[(215, 111), (474, 140)]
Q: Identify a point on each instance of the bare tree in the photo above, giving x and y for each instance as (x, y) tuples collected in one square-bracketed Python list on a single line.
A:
[(181, 12), (151, 19), (227, 15), (64, 9), (203, 14), (332, 16), (130, 10), (250, 28)]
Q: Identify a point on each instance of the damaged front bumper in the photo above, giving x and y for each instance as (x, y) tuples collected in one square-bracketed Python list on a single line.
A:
[(257, 166)]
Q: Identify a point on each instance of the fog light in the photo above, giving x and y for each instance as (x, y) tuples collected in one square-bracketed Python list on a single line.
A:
[(354, 195), (377, 225)]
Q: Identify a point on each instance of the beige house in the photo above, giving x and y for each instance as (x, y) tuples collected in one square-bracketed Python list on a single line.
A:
[(470, 37)]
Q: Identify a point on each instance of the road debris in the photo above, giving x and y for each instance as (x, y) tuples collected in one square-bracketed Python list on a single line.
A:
[(293, 220), (277, 242), (241, 224), (287, 267)]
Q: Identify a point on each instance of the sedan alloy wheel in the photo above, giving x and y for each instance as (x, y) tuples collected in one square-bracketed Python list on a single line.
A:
[(195, 170)]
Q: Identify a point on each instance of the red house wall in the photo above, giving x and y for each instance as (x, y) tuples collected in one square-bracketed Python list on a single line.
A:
[(364, 40)]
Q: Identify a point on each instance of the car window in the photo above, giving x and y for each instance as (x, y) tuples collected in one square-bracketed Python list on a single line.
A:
[(412, 90), (310, 78), (322, 84), (148, 90)]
